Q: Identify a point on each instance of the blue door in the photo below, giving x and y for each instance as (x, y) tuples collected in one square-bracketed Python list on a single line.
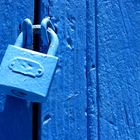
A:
[(95, 92), (15, 114)]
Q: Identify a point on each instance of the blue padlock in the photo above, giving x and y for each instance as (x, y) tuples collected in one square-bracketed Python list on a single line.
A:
[(25, 73)]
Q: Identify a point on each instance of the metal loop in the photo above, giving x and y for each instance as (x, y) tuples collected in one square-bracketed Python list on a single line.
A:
[(54, 42), (45, 24), (25, 38)]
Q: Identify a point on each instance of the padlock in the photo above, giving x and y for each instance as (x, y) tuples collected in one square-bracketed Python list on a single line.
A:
[(25, 73)]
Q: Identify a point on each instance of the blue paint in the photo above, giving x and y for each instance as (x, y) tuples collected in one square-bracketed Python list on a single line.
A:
[(113, 93), (23, 66), (95, 91), (110, 37), (45, 23), (23, 72), (15, 120), (64, 112), (92, 71), (16, 115)]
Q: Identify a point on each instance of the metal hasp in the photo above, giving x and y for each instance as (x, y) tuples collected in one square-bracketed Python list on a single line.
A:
[(25, 73)]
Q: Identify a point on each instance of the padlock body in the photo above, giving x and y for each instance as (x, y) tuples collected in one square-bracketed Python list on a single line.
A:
[(26, 74)]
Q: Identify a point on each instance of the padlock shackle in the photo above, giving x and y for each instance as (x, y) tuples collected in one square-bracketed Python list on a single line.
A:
[(45, 24), (54, 42), (25, 38), (49, 37), (19, 40)]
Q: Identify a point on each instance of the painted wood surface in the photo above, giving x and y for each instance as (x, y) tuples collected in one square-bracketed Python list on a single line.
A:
[(95, 91), (108, 52), (118, 48), (15, 114), (64, 113), (92, 71)]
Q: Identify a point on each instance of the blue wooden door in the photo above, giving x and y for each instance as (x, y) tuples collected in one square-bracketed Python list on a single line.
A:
[(118, 64), (64, 115), (15, 114), (113, 63), (95, 90), (95, 93)]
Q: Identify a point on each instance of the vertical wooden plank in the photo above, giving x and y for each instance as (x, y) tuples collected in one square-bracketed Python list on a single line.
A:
[(64, 113), (118, 69), (16, 116), (92, 71)]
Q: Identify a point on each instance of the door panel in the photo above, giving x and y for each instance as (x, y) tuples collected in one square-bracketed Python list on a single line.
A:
[(15, 114), (64, 113), (118, 69)]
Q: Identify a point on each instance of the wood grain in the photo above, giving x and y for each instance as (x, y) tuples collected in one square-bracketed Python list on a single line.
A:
[(92, 71), (95, 92), (64, 113), (118, 69)]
